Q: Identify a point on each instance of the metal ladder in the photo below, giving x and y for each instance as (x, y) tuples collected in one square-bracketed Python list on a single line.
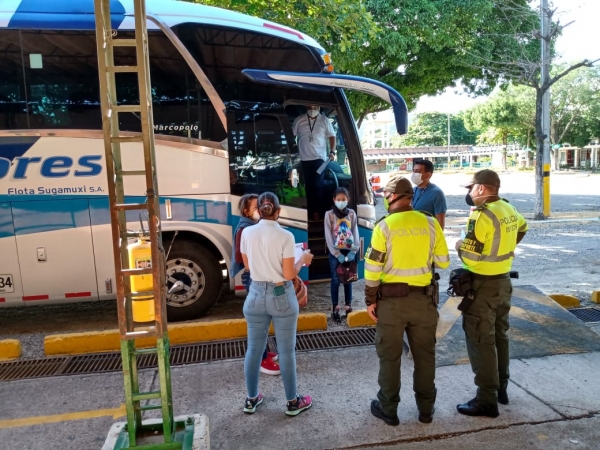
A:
[(107, 41)]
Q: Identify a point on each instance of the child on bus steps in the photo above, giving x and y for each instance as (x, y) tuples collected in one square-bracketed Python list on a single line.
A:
[(248, 209), (341, 234)]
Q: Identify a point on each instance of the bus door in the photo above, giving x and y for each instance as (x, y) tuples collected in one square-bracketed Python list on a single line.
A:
[(54, 241), (263, 157)]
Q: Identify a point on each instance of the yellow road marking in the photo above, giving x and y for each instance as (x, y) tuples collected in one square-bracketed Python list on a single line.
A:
[(55, 418), (448, 316), (535, 317)]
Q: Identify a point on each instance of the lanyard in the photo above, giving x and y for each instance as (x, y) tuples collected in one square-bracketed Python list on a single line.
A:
[(420, 195), (313, 125)]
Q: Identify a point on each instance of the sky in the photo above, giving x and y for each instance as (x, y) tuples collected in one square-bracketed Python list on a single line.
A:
[(576, 43)]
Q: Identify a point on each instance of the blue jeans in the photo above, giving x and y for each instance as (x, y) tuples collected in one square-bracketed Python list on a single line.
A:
[(335, 283), (262, 306)]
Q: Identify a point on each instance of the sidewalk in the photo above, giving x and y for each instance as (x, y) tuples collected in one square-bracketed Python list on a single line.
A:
[(556, 390)]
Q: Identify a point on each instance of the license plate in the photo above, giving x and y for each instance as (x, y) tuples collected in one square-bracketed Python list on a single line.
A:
[(6, 284)]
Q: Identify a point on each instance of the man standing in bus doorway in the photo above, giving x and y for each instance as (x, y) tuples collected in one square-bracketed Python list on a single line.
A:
[(494, 229), (428, 197), (313, 130)]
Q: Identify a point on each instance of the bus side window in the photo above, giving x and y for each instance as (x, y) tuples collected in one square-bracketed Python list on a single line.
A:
[(61, 78), (262, 157), (13, 109)]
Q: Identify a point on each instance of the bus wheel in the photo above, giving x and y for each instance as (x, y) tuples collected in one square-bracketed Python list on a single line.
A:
[(194, 280)]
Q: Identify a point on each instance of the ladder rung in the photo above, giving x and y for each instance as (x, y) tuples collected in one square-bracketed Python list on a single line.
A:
[(139, 334), (133, 272), (123, 42), (131, 172), (140, 294), (145, 351), (145, 396), (149, 407), (122, 69), (130, 206), (126, 108), (124, 139)]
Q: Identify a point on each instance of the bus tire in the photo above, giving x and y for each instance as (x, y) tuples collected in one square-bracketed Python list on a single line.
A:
[(194, 278)]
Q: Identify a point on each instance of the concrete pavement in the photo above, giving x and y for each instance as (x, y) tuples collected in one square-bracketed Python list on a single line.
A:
[(549, 392)]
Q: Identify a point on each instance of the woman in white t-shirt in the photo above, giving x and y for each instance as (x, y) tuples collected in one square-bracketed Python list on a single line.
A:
[(268, 253)]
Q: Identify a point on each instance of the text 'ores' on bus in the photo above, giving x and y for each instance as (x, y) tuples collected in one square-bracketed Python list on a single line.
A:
[(216, 140)]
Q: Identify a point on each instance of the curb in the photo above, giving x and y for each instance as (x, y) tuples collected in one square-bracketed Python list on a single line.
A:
[(10, 349), (596, 296), (360, 319), (185, 333), (566, 300)]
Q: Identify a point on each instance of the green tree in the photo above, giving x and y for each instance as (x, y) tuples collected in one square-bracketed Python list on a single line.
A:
[(498, 118), (575, 108), (432, 129), (419, 47)]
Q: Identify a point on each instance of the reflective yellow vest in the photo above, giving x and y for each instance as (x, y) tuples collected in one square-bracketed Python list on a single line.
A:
[(491, 239), (403, 247)]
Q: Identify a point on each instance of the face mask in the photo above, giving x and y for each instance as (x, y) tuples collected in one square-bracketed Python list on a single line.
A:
[(256, 216), (469, 200), (386, 203), (341, 205), (312, 113), (416, 178)]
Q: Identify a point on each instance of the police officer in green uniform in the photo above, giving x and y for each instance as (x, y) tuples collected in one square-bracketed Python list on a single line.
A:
[(400, 296), (494, 229)]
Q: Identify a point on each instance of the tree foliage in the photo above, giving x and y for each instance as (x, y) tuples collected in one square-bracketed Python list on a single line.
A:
[(419, 47), (431, 129)]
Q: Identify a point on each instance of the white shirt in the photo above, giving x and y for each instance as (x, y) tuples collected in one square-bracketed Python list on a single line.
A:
[(266, 244), (317, 147)]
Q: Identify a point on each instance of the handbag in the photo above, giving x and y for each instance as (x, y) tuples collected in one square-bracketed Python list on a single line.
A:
[(301, 292), (347, 272)]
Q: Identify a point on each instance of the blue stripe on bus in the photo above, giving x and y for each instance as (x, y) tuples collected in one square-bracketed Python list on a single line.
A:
[(7, 228), (52, 213), (62, 15), (12, 147)]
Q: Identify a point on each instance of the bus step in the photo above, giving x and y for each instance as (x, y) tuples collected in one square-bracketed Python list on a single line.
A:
[(122, 69), (130, 206)]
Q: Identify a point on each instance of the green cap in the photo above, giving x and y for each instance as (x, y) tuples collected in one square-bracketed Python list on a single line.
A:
[(485, 176), (399, 185)]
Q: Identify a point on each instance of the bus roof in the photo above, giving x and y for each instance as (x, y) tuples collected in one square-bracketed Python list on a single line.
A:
[(79, 15)]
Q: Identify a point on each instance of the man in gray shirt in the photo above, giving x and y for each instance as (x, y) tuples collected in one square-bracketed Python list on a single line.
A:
[(427, 197)]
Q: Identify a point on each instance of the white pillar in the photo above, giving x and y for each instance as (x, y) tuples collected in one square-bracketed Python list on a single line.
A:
[(594, 157)]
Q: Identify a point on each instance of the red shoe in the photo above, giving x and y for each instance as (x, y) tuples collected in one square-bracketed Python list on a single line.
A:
[(269, 367), (274, 356)]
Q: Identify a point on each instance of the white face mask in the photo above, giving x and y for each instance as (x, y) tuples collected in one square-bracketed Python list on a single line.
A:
[(341, 205), (312, 113), (416, 178), (256, 216)]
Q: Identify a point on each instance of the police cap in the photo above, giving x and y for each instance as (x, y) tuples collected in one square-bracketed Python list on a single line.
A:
[(485, 176), (399, 185)]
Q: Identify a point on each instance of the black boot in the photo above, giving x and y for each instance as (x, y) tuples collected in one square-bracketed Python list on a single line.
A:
[(473, 408), (426, 418), (377, 412), (503, 396)]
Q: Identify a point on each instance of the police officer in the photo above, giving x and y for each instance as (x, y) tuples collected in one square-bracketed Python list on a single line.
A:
[(493, 231), (399, 295)]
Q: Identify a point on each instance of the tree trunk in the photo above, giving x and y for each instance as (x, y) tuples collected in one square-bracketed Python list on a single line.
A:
[(538, 211), (504, 150)]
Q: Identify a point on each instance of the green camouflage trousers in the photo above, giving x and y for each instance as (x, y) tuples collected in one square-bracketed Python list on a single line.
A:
[(417, 315), (485, 324)]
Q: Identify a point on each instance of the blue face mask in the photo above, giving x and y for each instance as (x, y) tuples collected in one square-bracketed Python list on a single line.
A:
[(341, 205)]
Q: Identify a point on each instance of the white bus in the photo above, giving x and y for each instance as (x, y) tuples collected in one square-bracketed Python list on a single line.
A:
[(226, 88)]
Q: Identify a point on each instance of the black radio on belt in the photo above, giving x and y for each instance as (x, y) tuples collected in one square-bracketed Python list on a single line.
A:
[(514, 274)]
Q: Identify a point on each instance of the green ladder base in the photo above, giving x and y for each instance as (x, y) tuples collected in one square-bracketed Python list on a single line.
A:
[(191, 433)]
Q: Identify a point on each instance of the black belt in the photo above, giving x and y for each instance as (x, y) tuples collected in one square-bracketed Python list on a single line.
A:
[(477, 276), (394, 290)]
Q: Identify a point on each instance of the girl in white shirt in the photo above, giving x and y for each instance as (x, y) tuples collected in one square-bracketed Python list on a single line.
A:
[(268, 253)]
